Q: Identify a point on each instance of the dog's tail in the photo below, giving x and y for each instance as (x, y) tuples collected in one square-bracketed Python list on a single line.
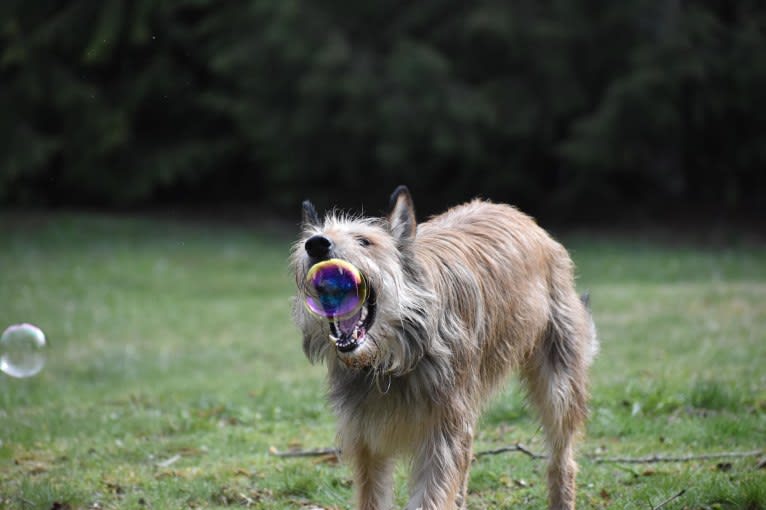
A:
[(557, 378), (594, 345)]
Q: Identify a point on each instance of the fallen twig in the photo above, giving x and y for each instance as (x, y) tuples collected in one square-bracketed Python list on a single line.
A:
[(655, 458), (316, 452), (518, 447), (320, 452), (671, 498)]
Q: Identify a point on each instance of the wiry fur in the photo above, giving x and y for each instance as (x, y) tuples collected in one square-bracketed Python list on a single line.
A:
[(462, 300)]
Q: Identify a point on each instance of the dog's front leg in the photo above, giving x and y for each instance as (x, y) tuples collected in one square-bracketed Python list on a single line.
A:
[(373, 479), (467, 453), (439, 472)]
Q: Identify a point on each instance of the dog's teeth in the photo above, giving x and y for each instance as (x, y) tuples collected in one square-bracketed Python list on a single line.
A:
[(355, 334), (332, 339)]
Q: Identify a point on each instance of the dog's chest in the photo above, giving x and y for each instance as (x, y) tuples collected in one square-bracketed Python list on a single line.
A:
[(388, 422)]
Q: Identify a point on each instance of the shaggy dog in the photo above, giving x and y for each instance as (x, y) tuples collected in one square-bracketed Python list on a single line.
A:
[(455, 304)]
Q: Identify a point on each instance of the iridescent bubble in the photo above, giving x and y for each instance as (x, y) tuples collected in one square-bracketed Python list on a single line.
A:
[(335, 289), (22, 349)]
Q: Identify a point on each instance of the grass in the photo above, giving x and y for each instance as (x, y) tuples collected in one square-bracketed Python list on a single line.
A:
[(173, 368)]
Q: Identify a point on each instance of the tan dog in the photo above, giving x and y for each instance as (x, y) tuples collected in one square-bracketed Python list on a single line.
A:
[(455, 304)]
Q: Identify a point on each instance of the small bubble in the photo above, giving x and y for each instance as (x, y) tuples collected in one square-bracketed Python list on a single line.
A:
[(22, 349)]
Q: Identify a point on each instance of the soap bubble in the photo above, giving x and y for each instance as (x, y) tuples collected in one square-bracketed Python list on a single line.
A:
[(335, 289), (22, 349)]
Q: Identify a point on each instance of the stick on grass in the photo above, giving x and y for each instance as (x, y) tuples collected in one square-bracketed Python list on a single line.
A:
[(656, 458), (315, 452), (520, 448), (671, 498)]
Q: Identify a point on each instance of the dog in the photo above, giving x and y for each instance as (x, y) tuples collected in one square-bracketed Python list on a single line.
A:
[(455, 304)]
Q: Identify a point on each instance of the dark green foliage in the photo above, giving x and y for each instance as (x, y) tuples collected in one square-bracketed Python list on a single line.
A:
[(553, 105), (102, 102)]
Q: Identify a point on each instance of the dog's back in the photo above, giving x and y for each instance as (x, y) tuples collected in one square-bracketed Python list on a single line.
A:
[(508, 281)]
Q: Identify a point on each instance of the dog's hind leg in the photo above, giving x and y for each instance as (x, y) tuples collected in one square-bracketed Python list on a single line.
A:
[(557, 381)]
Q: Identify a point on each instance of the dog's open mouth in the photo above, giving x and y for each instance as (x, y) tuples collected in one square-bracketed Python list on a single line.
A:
[(350, 333)]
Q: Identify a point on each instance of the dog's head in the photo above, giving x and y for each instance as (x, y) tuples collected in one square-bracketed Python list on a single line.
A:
[(388, 332)]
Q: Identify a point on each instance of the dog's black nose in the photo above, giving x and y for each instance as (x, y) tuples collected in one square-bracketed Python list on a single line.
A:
[(318, 246)]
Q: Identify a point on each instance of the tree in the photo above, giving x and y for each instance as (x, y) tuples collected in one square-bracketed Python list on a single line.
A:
[(556, 106)]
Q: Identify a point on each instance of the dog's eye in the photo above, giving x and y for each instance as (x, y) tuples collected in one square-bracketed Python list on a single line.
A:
[(363, 241)]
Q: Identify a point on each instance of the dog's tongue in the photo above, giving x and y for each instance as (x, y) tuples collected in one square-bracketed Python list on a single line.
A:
[(346, 326)]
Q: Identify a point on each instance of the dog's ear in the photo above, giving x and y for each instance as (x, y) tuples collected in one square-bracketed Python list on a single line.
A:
[(310, 217), (401, 215)]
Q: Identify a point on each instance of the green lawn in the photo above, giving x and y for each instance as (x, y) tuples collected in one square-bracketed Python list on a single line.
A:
[(173, 368)]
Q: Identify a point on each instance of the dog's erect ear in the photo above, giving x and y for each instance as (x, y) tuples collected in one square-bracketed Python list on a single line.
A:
[(401, 215), (310, 217)]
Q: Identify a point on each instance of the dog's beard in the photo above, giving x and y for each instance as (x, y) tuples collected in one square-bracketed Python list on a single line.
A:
[(393, 342), (394, 329)]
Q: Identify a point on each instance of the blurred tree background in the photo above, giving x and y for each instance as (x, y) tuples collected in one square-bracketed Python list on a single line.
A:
[(568, 107)]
